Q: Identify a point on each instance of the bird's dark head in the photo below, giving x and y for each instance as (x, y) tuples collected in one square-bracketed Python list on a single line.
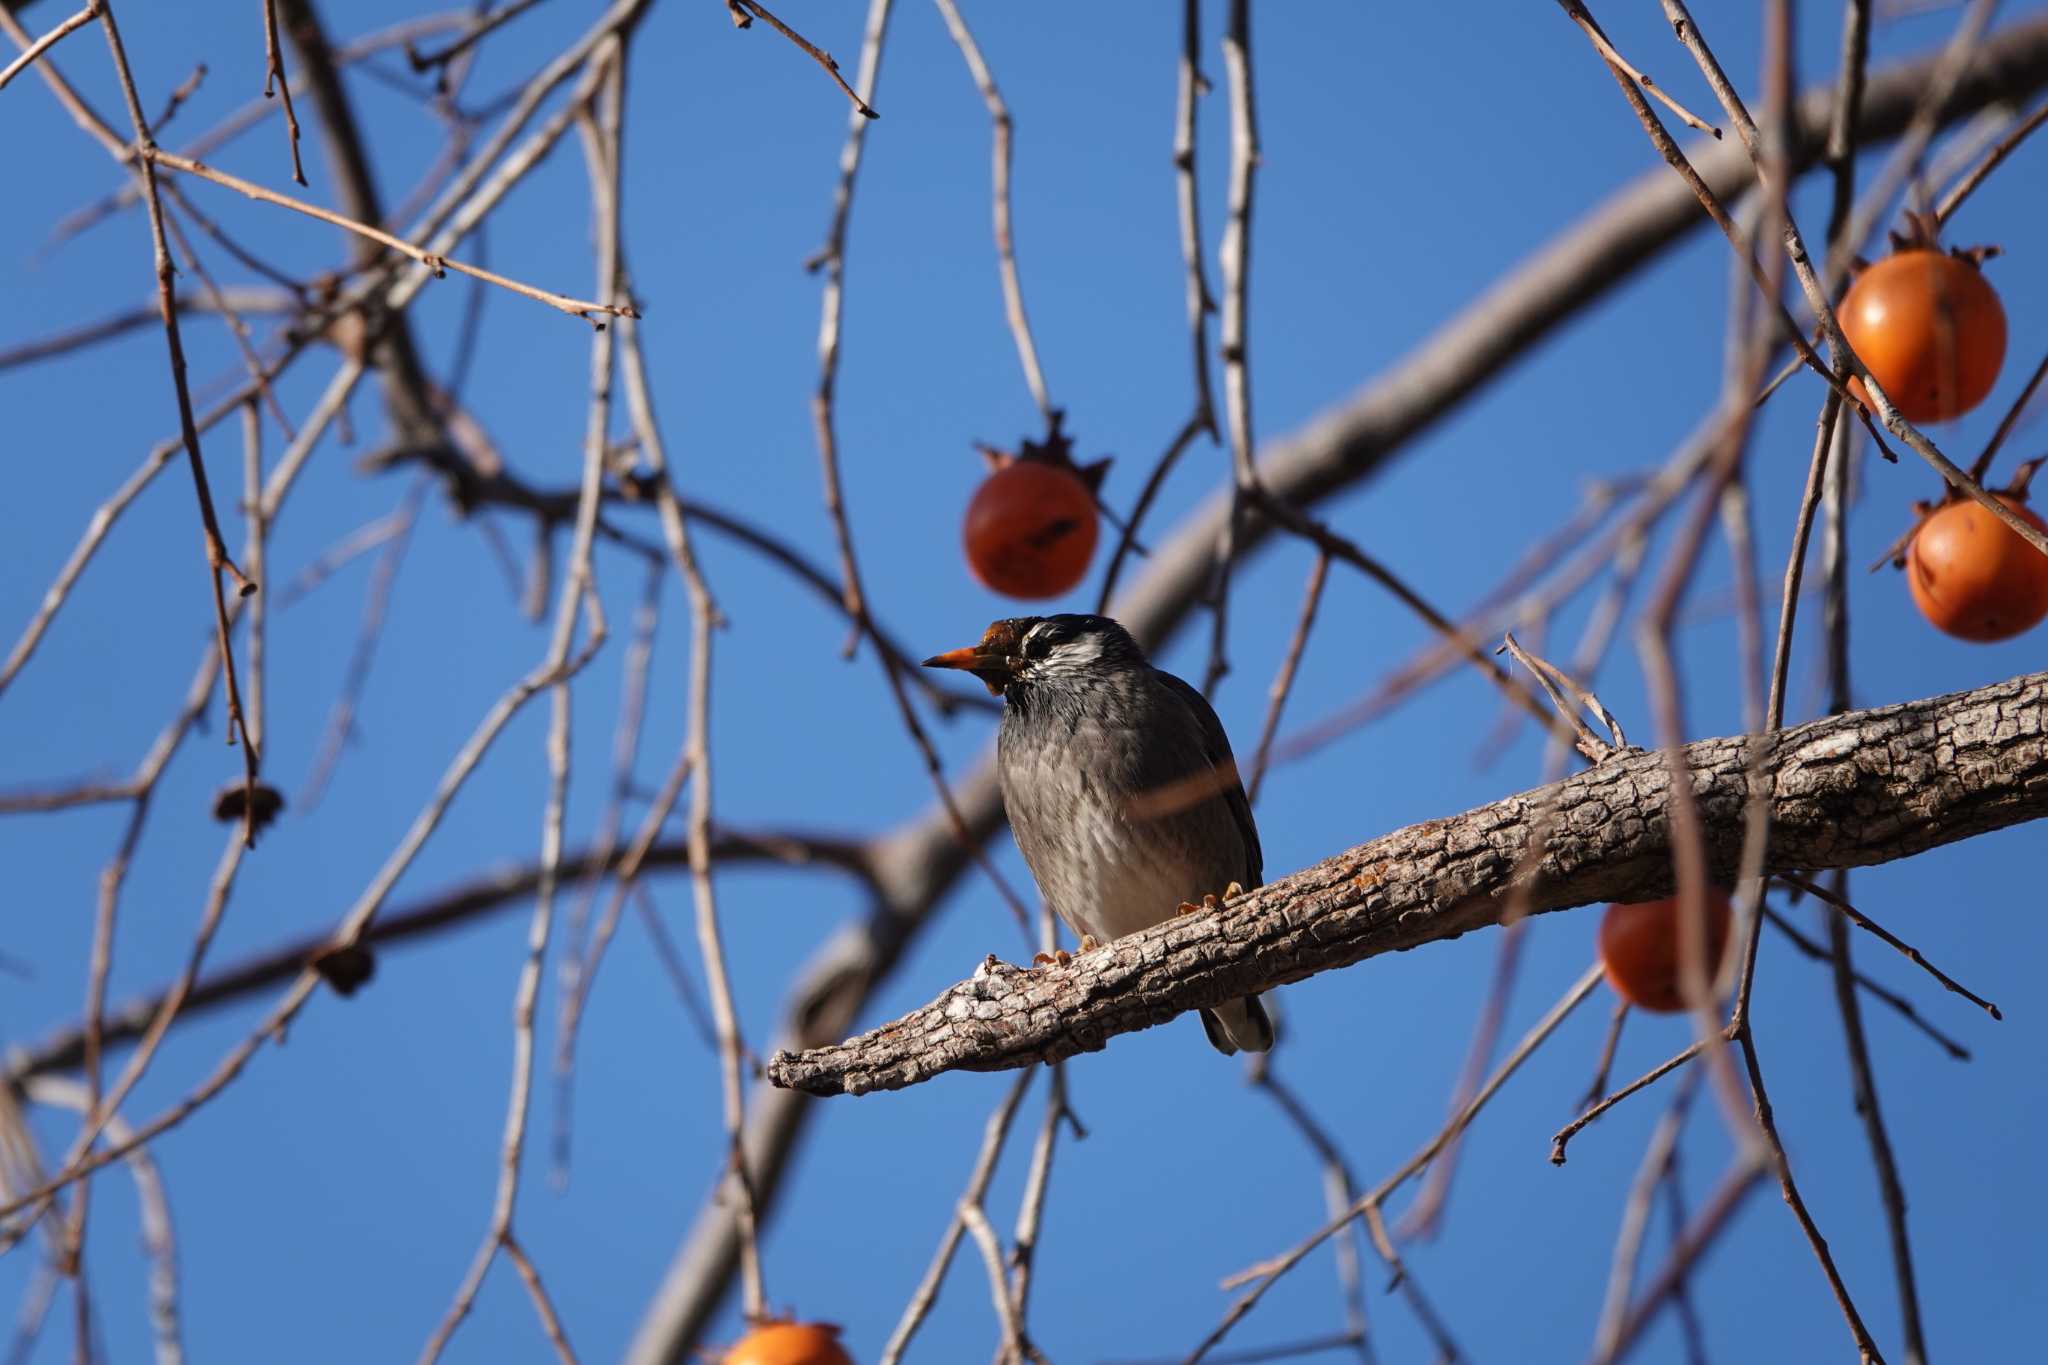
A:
[(1023, 651)]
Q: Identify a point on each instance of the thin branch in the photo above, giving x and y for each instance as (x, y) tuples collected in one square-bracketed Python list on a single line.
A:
[(1774, 1149), (1967, 186), (159, 1238), (1371, 1203), (832, 261), (1234, 256), (341, 727), (481, 27), (578, 588), (994, 1134), (585, 945), (1897, 1002), (1606, 49), (1190, 84), (244, 299), (218, 560), (1864, 922), (251, 114), (1864, 1085), (1651, 1174), (435, 263), (273, 71), (350, 933), (1982, 466), (741, 9), (1037, 1181), (1283, 682), (1740, 1182), (1006, 251), (1340, 1191), (31, 53)]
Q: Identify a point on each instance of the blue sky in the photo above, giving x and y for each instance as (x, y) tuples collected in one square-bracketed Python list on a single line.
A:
[(328, 1203)]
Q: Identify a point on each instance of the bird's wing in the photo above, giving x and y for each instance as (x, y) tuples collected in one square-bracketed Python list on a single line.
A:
[(1216, 746)]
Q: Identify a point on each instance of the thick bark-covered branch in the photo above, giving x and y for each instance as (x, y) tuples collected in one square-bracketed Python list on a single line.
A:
[(1853, 789)]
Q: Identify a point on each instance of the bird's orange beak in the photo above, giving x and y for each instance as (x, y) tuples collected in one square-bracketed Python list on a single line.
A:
[(987, 664)]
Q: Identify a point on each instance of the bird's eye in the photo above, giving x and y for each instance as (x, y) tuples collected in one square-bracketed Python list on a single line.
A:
[(1040, 641)]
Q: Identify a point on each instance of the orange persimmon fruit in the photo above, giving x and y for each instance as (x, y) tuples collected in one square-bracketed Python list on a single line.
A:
[(789, 1343), (1931, 329), (1640, 946), (1031, 529), (1973, 577)]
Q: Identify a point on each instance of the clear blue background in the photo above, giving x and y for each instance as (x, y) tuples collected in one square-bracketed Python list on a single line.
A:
[(329, 1201)]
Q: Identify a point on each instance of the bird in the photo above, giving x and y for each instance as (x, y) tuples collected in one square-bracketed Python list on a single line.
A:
[(1120, 787)]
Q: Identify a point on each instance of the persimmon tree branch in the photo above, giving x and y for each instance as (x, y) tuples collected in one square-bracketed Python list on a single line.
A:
[(1850, 790)]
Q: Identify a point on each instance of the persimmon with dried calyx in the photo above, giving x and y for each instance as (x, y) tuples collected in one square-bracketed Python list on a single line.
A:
[(1928, 324), (777, 1342), (1641, 948), (1973, 577), (1031, 527)]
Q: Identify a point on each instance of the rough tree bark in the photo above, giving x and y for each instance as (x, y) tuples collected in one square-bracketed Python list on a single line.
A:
[(1857, 788)]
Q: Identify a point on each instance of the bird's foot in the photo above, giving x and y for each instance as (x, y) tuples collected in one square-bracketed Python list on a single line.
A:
[(1209, 902), (1233, 891), (1089, 943), (1189, 907), (1059, 956)]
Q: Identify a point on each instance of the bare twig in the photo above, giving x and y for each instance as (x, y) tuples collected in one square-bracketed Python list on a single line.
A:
[(1283, 682), (1897, 1002), (435, 263), (1339, 1193), (994, 1134), (273, 71), (1037, 1180), (159, 1239), (1735, 1187), (1189, 85), (832, 261), (1006, 250), (578, 588), (216, 549), (481, 27), (1863, 921), (1271, 1271), (1651, 1174), (1890, 1186), (1967, 186), (350, 933), (36, 49), (1234, 256), (340, 727), (742, 9), (1606, 49)]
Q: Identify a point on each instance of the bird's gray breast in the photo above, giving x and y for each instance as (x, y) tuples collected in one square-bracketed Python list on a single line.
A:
[(1112, 800)]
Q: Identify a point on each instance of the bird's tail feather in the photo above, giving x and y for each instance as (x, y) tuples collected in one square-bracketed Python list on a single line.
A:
[(1240, 1026)]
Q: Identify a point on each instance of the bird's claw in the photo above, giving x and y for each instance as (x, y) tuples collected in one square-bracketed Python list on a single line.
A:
[(1089, 943), (1059, 956), (1211, 901)]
